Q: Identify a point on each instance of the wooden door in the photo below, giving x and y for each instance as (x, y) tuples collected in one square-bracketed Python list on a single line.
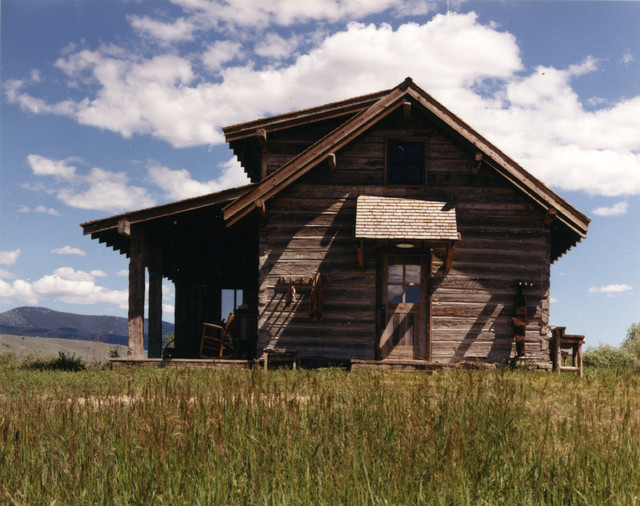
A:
[(403, 308)]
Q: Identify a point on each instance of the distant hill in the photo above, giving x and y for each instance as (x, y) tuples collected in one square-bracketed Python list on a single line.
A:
[(44, 322)]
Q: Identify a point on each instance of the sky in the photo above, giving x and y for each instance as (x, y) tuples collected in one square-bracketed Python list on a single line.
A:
[(118, 105)]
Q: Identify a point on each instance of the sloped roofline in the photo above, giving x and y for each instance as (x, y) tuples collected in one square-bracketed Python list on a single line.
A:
[(161, 211), (301, 117), (381, 105)]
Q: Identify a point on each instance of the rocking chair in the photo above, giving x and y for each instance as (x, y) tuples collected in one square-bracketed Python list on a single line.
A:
[(217, 341)]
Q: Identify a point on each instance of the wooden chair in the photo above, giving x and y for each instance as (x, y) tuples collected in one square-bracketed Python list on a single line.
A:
[(218, 341)]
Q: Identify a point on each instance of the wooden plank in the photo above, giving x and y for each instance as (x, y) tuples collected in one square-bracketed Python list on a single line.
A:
[(136, 295), (155, 305)]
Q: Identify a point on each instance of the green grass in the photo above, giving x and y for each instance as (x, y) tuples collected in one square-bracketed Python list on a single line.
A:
[(317, 437)]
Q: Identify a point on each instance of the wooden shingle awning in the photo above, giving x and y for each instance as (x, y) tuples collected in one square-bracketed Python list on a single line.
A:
[(409, 219)]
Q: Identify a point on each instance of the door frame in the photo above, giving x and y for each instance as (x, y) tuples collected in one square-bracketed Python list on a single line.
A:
[(425, 257)]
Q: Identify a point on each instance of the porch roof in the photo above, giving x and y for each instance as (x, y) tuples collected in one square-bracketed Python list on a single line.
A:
[(397, 218)]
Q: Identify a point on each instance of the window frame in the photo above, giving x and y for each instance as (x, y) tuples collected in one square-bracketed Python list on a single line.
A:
[(389, 141)]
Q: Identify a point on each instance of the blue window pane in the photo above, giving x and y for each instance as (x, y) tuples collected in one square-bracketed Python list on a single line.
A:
[(412, 295)]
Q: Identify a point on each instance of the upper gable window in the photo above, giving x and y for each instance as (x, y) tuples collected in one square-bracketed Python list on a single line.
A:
[(405, 162)]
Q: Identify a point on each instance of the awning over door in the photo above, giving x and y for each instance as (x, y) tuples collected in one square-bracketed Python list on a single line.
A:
[(411, 219)]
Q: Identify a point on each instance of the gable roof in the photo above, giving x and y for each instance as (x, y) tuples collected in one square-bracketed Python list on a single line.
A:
[(569, 227)]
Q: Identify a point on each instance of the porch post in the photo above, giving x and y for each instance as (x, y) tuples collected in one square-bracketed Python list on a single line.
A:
[(136, 294), (155, 306)]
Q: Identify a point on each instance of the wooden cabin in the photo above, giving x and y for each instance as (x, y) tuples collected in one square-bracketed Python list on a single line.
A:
[(377, 228)]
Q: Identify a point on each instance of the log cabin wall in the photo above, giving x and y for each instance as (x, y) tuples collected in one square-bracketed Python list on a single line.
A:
[(310, 228)]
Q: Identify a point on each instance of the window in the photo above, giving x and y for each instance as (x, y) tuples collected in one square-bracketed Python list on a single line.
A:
[(231, 299), (403, 284), (405, 162)]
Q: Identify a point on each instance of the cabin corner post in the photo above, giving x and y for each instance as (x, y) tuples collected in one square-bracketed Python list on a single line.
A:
[(136, 294), (155, 305)]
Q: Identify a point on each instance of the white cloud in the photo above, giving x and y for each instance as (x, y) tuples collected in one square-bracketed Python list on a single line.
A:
[(179, 185), (219, 53), (221, 15), (275, 46), (39, 209), (9, 257), (68, 250), (165, 32), (65, 285), (473, 69), (627, 57), (123, 272), (42, 166), (107, 191), (98, 273), (98, 189), (611, 290), (617, 209), (5, 274)]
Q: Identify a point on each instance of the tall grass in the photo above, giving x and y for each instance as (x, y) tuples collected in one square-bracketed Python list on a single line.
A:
[(318, 437)]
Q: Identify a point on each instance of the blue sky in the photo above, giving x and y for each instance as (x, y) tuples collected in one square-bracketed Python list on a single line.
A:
[(117, 105)]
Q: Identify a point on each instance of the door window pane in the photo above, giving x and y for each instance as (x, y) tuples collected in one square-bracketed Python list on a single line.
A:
[(412, 294), (395, 273), (403, 283), (412, 274), (394, 294)]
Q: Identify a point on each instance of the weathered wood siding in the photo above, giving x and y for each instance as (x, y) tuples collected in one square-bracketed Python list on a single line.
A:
[(310, 228)]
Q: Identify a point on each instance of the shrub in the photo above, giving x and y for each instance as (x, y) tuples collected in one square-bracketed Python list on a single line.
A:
[(64, 362), (609, 357), (632, 341)]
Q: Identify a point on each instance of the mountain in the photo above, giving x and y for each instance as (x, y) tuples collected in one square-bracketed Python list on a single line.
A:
[(43, 322)]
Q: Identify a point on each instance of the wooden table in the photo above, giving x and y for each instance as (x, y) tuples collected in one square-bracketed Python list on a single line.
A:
[(279, 356), (560, 340)]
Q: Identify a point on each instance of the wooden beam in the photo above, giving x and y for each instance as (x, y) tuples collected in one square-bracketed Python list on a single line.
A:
[(124, 228), (429, 304), (552, 214), (261, 133), (136, 295), (406, 109), (261, 207), (448, 261), (478, 163), (331, 161), (361, 254), (155, 305)]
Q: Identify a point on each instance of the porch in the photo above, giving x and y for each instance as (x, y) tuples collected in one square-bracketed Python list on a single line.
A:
[(213, 268)]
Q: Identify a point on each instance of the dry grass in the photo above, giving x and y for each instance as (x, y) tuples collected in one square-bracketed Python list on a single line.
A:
[(318, 437)]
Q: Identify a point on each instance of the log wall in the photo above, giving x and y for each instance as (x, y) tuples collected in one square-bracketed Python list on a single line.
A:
[(310, 228)]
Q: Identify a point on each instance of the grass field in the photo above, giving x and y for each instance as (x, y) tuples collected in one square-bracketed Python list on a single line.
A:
[(178, 436), (89, 351)]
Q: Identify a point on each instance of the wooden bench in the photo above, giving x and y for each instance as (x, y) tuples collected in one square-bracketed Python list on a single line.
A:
[(279, 356), (560, 341)]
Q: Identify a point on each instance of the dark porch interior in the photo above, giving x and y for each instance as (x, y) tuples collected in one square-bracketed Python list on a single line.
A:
[(189, 244)]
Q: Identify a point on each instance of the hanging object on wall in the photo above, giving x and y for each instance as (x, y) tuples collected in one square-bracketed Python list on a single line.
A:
[(520, 320), (316, 299), (291, 294)]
